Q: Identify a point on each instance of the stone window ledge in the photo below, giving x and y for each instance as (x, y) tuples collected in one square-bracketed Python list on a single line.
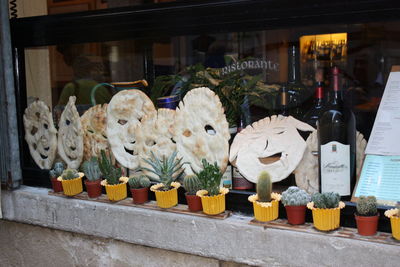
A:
[(232, 239)]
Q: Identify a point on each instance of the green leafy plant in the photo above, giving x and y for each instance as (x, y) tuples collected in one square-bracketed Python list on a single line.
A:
[(264, 187), (210, 177), (57, 170), (91, 169), (69, 174), (192, 184), (295, 196), (367, 206), (140, 181), (109, 171), (167, 170), (328, 200)]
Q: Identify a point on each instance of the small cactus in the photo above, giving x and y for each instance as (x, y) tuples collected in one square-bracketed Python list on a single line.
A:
[(210, 177), (109, 171), (328, 200), (69, 174), (141, 181), (295, 196), (192, 184), (264, 187), (91, 169), (366, 206), (398, 208), (57, 170)]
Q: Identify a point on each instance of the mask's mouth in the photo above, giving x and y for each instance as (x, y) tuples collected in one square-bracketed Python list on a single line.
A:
[(43, 156), (271, 159), (132, 152)]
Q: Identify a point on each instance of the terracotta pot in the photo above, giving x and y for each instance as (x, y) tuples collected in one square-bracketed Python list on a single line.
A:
[(93, 188), (296, 214), (57, 185), (367, 225), (194, 202), (140, 195)]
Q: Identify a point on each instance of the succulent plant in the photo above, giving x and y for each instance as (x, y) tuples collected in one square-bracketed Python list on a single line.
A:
[(57, 169), (264, 187), (327, 200), (398, 208), (192, 184), (109, 171), (140, 181), (69, 174), (210, 177), (295, 196), (366, 206), (91, 169), (167, 170)]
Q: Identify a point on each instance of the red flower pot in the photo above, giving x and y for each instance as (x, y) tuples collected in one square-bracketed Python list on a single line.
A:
[(367, 225), (296, 214), (57, 185), (194, 202), (93, 188), (140, 195)]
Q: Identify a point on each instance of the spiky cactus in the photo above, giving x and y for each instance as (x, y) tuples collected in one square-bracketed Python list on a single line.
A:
[(264, 187), (69, 174), (367, 206), (167, 170), (192, 184), (57, 170), (91, 169), (328, 200), (141, 181), (109, 171), (210, 177), (295, 196)]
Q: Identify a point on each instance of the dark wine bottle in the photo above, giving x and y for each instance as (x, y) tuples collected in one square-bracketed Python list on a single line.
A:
[(283, 101), (312, 116), (337, 144)]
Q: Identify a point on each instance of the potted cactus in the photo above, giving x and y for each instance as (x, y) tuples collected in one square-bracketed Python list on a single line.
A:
[(265, 203), (54, 174), (295, 200), (191, 183), (367, 215), (71, 181), (92, 172), (168, 170), (326, 210), (139, 188), (394, 215), (114, 182)]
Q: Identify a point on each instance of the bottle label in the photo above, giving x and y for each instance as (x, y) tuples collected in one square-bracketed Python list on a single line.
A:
[(226, 180), (335, 168)]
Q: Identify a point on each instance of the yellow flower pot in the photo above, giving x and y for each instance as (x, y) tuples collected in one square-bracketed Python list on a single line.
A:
[(394, 222), (72, 187), (213, 205), (266, 211), (166, 199), (116, 192), (326, 219)]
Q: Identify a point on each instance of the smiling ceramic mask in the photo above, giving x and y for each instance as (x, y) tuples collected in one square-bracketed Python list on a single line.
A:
[(40, 134), (201, 130), (124, 112), (271, 144), (70, 135), (155, 135)]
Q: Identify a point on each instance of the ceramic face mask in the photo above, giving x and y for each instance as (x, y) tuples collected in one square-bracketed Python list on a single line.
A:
[(70, 135), (201, 130), (40, 134), (271, 144), (124, 112)]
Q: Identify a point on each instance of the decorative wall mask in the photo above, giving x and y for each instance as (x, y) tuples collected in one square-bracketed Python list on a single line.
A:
[(155, 135), (272, 144), (201, 130), (307, 171), (70, 135), (124, 112), (40, 134)]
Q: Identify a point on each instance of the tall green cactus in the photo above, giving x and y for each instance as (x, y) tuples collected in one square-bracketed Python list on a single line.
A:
[(264, 187), (91, 169), (367, 206), (69, 174), (109, 171), (210, 177), (57, 170), (141, 181), (327, 200), (192, 184)]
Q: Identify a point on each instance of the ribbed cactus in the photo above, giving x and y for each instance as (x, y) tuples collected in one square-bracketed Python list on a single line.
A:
[(69, 174), (366, 206), (141, 181), (192, 184), (57, 170), (295, 196), (109, 171), (328, 200), (91, 169), (264, 187), (210, 178)]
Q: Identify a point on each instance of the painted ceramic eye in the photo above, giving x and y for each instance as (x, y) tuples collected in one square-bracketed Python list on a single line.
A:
[(122, 122)]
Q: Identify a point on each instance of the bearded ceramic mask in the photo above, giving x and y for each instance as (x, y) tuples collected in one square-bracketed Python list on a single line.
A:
[(70, 135), (155, 136), (201, 130), (271, 144), (40, 134), (124, 112)]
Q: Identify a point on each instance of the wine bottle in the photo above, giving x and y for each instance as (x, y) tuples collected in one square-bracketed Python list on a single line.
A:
[(337, 144), (283, 101), (312, 116)]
